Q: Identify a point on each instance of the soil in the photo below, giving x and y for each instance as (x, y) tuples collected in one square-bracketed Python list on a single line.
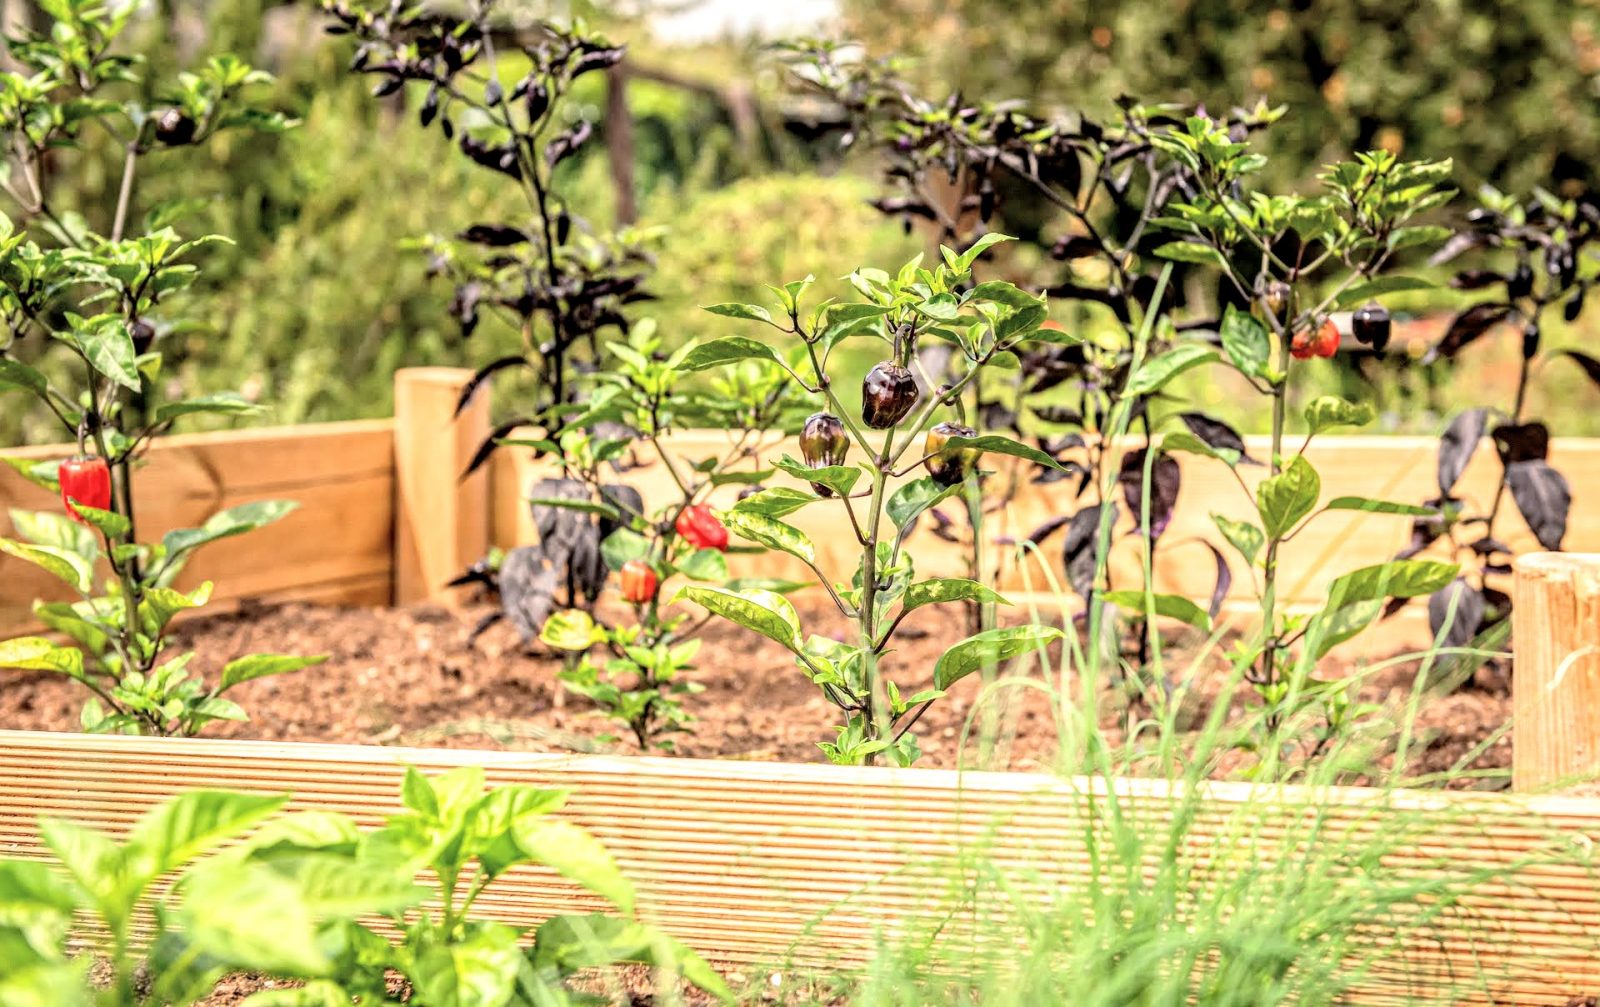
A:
[(408, 676)]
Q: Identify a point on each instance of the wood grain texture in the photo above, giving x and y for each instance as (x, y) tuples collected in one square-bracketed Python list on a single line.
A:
[(1389, 468), (441, 519), (753, 862), (1556, 688), (334, 548)]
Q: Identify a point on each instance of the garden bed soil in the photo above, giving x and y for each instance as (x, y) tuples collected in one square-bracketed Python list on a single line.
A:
[(407, 676)]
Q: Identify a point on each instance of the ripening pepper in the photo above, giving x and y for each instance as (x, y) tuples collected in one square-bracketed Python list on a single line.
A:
[(701, 529), (1371, 325), (1274, 300), (887, 395), (823, 443), (1325, 343), (639, 582), (87, 481), (949, 466)]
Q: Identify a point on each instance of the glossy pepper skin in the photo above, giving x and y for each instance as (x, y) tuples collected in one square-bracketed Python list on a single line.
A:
[(1325, 343), (887, 394), (949, 466), (638, 582), (86, 481), (1371, 325), (700, 528), (822, 443), (174, 127)]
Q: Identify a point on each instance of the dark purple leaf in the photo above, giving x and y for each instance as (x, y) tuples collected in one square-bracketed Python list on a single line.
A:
[(1543, 497), (1078, 552), (1457, 244), (483, 373), (1074, 246), (1457, 446), (1460, 605), (1590, 365), (567, 143), (1166, 478), (1522, 442), (1058, 414), (1477, 279), (1466, 328), (494, 235), (486, 449), (1045, 530), (1217, 434), (1224, 581)]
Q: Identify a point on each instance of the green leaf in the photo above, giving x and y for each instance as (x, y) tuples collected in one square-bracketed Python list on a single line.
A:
[(765, 612), (35, 653), (60, 563), (1246, 341), (40, 472), (224, 524), (108, 523), (943, 589), (478, 971), (839, 478), (1285, 499), (224, 403), (16, 375), (1401, 578), (963, 262), (990, 647), (316, 993), (907, 503), (1189, 251), (161, 604), (109, 349), (728, 350), (705, 564), (55, 529), (770, 532), (1363, 292), (571, 630), (575, 855), (194, 822), (1381, 507), (1157, 371), (251, 918), (564, 945), (1242, 535), (29, 885), (623, 545), (1328, 411), (996, 444), (261, 665), (776, 501), (1183, 440), (1171, 606), (752, 312), (1411, 237)]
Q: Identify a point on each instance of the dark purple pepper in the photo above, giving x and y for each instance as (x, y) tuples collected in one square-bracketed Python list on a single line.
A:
[(1530, 341), (887, 395), (174, 127), (1372, 325), (1521, 282), (823, 443), (144, 335), (949, 466)]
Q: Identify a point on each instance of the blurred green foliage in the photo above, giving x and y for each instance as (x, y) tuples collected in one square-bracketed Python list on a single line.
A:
[(1510, 90)]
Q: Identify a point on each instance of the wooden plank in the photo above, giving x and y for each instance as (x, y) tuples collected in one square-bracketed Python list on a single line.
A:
[(1392, 468), (748, 862), (333, 548), (1556, 693), (441, 520)]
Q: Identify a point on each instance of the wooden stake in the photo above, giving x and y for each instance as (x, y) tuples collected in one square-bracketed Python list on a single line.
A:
[(441, 520), (1555, 633)]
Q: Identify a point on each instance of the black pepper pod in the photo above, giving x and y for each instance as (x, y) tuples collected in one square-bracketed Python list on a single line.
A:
[(949, 466), (143, 335), (1372, 325), (1530, 341), (174, 127), (887, 395), (823, 443)]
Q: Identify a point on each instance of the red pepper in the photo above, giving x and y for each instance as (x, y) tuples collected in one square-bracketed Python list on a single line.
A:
[(639, 582), (87, 481), (1325, 343), (701, 529)]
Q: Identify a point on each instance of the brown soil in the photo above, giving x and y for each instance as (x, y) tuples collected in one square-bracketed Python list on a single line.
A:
[(407, 677)]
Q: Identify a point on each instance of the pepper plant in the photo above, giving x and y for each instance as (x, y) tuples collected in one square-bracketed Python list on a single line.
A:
[(1544, 239), (230, 889), (100, 304), (1294, 260), (647, 396), (898, 433)]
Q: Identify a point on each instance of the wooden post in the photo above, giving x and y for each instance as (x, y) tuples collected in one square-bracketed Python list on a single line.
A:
[(1555, 632), (441, 521)]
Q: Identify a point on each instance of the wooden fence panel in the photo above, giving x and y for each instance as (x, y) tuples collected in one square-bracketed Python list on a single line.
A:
[(338, 547), (744, 860)]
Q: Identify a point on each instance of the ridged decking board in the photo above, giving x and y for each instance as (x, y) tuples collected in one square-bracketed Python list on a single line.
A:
[(744, 860)]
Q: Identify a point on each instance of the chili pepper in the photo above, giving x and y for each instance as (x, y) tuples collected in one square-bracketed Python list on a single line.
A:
[(1325, 343), (701, 529), (1275, 298), (823, 443), (84, 480), (1521, 282), (639, 582), (949, 466), (1371, 325), (174, 127), (143, 334), (887, 395), (1530, 341)]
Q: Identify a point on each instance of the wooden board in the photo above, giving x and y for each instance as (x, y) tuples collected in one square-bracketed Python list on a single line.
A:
[(750, 862), (338, 547), (1391, 468)]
